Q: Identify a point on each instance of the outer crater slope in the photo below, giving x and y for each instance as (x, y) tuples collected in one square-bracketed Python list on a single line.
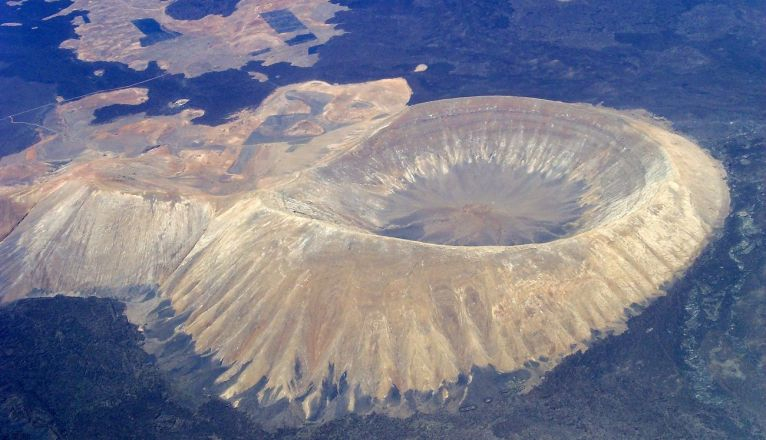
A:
[(386, 252), (480, 231)]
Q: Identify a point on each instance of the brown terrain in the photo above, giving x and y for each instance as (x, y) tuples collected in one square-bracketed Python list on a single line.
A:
[(337, 235), (211, 43)]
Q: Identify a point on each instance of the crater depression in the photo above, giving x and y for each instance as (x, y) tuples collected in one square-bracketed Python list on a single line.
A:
[(481, 172)]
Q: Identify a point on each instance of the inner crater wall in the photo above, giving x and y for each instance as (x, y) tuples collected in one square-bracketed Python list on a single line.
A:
[(483, 171)]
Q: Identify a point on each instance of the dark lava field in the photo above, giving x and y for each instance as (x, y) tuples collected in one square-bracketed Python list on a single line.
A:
[(692, 365)]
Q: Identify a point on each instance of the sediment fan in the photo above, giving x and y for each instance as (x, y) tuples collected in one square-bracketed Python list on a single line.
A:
[(485, 231)]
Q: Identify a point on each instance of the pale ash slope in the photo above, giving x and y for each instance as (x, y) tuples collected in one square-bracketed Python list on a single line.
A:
[(270, 235), (82, 238)]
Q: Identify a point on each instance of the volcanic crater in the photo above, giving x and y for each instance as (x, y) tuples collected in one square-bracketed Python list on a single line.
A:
[(397, 249)]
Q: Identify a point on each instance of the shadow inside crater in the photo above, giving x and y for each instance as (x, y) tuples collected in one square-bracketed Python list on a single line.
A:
[(484, 204)]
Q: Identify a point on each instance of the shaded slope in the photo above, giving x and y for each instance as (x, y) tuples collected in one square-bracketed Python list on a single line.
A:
[(74, 368)]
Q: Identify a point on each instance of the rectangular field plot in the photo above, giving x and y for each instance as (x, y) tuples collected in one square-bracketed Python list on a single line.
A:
[(282, 21)]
